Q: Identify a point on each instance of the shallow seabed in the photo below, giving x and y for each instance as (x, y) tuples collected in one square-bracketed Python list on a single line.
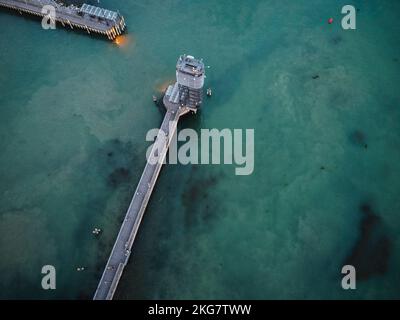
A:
[(74, 112)]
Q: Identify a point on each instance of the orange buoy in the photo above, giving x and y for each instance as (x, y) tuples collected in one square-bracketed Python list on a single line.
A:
[(330, 20)]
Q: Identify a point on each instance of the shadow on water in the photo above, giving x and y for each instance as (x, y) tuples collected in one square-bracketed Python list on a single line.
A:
[(371, 253)]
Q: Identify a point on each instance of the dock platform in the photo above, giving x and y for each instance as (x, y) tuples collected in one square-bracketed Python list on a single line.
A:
[(180, 98), (122, 248), (89, 18)]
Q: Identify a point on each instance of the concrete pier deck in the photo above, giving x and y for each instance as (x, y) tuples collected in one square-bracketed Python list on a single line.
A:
[(122, 248), (88, 18), (180, 98)]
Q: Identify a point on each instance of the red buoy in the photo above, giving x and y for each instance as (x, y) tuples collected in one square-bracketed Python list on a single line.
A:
[(330, 20)]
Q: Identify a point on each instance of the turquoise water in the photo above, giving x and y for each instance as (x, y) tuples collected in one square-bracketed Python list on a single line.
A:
[(74, 112)]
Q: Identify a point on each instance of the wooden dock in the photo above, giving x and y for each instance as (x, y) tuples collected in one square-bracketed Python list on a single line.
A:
[(122, 248), (181, 98), (88, 18)]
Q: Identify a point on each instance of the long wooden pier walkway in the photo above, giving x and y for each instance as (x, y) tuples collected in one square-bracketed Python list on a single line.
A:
[(88, 18), (122, 248), (179, 99)]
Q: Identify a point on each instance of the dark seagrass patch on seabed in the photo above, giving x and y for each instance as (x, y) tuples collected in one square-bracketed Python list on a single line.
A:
[(119, 158), (200, 206), (371, 253), (358, 138)]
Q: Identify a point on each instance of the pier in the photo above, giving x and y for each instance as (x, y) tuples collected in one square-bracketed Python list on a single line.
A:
[(181, 98), (88, 18)]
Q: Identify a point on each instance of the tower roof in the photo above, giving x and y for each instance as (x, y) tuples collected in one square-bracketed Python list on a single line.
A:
[(189, 65)]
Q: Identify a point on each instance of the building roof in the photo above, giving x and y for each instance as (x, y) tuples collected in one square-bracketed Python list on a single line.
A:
[(190, 65), (98, 12)]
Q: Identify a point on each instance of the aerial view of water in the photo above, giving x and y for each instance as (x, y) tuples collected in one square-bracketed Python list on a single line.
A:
[(324, 104)]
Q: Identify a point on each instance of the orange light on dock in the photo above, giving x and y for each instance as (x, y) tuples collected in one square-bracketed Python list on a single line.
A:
[(121, 40), (163, 86)]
